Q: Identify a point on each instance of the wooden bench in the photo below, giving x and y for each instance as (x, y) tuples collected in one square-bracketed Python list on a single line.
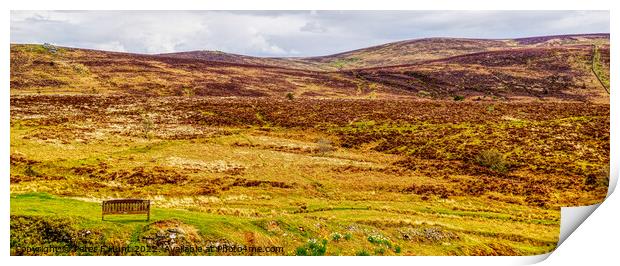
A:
[(126, 206)]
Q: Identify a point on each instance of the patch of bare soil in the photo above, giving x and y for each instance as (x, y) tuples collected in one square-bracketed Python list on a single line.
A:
[(428, 234), (141, 176), (217, 166), (214, 186)]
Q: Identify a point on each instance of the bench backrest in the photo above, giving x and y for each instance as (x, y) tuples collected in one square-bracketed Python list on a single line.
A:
[(126, 206)]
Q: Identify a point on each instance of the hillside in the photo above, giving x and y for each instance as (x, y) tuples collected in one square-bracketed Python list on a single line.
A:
[(559, 73), (402, 52), (34, 69), (552, 67), (414, 51)]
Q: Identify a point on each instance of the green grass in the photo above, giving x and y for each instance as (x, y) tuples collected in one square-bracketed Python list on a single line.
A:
[(90, 213), (127, 228), (343, 62), (348, 192)]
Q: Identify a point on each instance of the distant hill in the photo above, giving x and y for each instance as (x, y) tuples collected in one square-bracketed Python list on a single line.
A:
[(398, 53), (217, 56), (566, 67)]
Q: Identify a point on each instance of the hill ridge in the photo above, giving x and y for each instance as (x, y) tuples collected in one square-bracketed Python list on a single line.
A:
[(553, 68)]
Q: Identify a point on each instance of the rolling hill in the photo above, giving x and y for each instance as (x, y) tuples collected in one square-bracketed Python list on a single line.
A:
[(414, 51), (398, 53), (566, 67)]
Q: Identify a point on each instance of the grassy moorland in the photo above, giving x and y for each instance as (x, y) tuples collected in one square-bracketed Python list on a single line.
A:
[(400, 160)]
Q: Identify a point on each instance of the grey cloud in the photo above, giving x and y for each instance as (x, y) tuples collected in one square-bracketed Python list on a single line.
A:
[(313, 26)]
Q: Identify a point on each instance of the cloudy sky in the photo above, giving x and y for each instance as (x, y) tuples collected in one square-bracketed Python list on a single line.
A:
[(284, 33)]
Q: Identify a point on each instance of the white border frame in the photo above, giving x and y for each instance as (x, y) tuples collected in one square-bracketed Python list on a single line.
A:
[(316, 5)]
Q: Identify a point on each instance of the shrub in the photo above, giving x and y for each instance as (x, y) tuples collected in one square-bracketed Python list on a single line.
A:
[(290, 96), (336, 236), (312, 248), (147, 126), (372, 95), (379, 239), (80, 69), (31, 172), (187, 91), (324, 146), (262, 118), (379, 251), (600, 178), (348, 236), (590, 180), (493, 159), (397, 250), (459, 98), (362, 252)]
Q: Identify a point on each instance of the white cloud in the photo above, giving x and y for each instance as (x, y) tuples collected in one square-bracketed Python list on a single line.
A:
[(283, 33), (313, 26)]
